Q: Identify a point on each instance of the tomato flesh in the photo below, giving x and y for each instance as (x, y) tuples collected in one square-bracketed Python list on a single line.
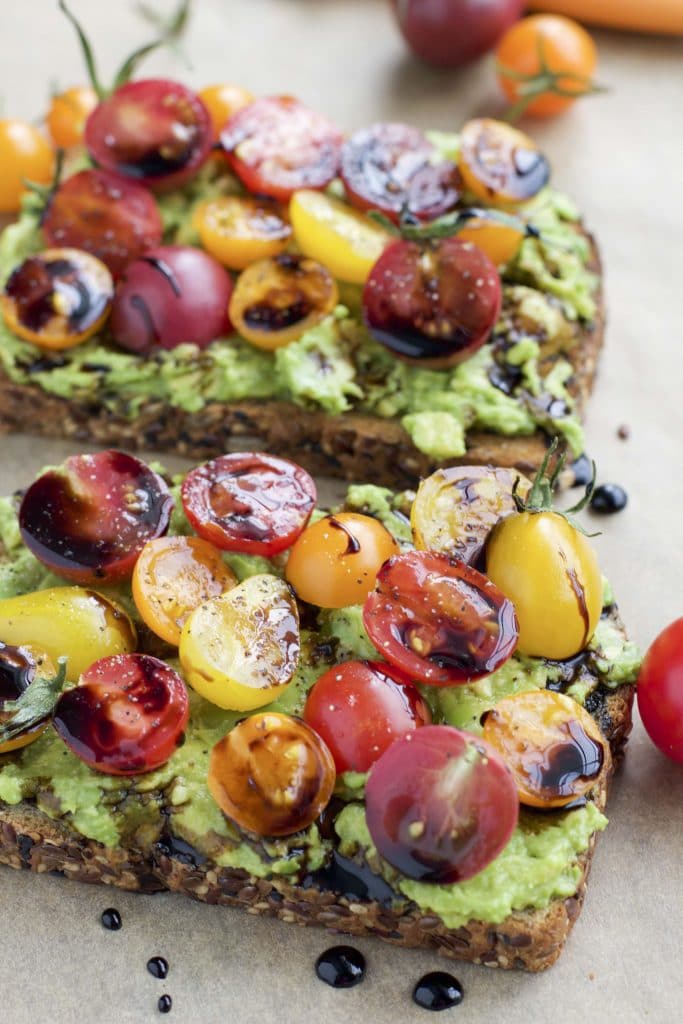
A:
[(249, 501), (434, 303), (89, 520), (500, 164), (440, 805), (360, 708), (127, 715), (439, 620), (271, 774), (105, 214), (660, 691), (389, 167), (18, 668), (277, 145), (154, 130), (238, 230)]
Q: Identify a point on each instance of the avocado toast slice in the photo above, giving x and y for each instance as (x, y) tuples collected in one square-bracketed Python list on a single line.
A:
[(163, 831)]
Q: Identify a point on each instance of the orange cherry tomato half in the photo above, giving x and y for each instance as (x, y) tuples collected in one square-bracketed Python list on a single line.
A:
[(276, 300), (222, 101), (68, 113), (569, 55), (19, 666), (172, 577), (58, 298), (500, 164), (271, 774), (238, 230), (551, 744), (335, 562), (499, 241), (24, 155)]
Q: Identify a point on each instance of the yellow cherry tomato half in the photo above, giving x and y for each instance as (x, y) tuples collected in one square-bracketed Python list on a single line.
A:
[(238, 230), (58, 298), (172, 577), (277, 299), (68, 113), (240, 651), (67, 622), (19, 666), (552, 746), (272, 774), (499, 241), (500, 164), (222, 101), (551, 574), (24, 155), (347, 242), (455, 509), (334, 562)]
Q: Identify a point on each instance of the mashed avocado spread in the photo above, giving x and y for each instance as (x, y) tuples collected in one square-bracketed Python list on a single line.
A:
[(537, 865), (548, 289)]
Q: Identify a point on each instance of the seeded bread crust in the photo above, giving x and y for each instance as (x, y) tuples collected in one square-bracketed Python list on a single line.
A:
[(353, 446)]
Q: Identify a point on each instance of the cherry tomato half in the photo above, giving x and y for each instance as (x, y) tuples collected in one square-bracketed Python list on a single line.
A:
[(156, 131), (277, 145), (439, 620), (440, 805), (58, 298), (172, 577), (238, 230), (173, 295), (360, 708), (127, 715), (241, 650), (271, 774), (222, 101), (335, 562), (247, 501), (499, 241), (390, 167), (68, 113), (343, 240), (89, 520), (552, 746), (500, 164), (660, 691), (105, 214), (277, 300), (19, 666), (25, 155), (433, 303)]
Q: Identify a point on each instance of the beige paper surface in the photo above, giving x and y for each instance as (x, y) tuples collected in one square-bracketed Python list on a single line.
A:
[(620, 155)]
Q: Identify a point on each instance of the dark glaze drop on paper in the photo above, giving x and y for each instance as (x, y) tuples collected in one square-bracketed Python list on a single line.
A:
[(165, 1003), (341, 967), (158, 967), (438, 991), (608, 499), (111, 919)]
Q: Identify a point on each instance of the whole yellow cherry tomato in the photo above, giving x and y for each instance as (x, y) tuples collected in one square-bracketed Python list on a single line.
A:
[(238, 230), (67, 622), (551, 574), (222, 101), (347, 242), (334, 562), (240, 650), (24, 154), (68, 113)]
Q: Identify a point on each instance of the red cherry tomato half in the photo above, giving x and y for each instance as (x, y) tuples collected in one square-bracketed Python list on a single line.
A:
[(173, 295), (89, 520), (389, 167), (439, 620), (126, 716), (105, 214), (433, 303), (156, 131), (660, 691), (19, 666), (360, 708), (277, 145), (249, 502), (440, 804)]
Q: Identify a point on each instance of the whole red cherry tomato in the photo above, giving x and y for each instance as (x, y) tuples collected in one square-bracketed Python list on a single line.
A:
[(452, 32), (660, 691)]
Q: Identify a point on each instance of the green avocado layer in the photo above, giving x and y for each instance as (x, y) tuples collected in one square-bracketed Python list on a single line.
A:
[(538, 864), (507, 387)]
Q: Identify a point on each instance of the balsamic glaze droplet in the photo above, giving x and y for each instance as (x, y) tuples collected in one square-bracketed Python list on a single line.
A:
[(438, 991), (341, 967), (582, 470), (609, 498), (165, 1003), (111, 919), (157, 966)]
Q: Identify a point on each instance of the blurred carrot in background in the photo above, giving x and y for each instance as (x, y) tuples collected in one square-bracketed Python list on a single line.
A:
[(637, 15)]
